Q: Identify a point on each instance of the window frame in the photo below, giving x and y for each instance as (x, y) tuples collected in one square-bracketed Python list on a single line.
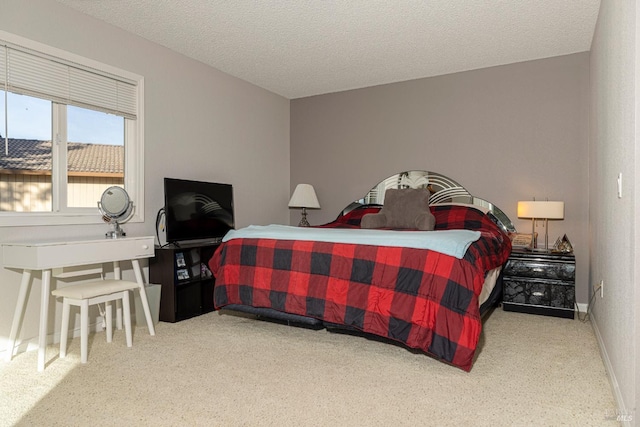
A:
[(133, 150)]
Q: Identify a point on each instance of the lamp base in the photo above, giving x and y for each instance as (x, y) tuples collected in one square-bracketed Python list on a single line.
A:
[(534, 240), (303, 221)]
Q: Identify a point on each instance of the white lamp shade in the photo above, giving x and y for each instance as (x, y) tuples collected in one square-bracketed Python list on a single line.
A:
[(304, 196), (541, 209)]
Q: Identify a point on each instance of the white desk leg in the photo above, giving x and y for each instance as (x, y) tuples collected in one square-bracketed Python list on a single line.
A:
[(18, 313), (143, 296), (44, 312), (117, 274)]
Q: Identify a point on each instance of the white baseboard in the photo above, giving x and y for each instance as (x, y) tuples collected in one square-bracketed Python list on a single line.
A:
[(623, 415)]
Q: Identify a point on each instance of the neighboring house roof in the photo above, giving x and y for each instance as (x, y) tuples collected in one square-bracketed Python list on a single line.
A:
[(35, 155)]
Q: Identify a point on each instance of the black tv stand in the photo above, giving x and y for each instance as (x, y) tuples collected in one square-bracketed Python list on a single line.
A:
[(187, 283)]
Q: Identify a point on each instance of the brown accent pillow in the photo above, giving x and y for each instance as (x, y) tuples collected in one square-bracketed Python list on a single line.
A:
[(403, 208)]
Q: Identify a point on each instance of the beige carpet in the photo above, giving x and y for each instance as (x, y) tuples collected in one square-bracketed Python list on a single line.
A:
[(227, 370)]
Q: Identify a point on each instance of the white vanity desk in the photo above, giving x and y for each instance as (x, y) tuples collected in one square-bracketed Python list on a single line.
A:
[(47, 255)]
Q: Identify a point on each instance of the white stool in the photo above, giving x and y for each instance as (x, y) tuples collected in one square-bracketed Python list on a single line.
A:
[(92, 293)]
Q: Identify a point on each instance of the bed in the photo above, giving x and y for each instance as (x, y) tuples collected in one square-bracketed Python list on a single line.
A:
[(422, 294)]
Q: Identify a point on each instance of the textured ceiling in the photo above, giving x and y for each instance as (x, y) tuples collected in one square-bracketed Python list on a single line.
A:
[(298, 48)]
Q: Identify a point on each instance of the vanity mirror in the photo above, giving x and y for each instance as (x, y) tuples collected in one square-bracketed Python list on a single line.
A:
[(116, 207)]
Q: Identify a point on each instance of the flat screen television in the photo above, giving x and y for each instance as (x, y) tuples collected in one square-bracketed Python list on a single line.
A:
[(197, 210)]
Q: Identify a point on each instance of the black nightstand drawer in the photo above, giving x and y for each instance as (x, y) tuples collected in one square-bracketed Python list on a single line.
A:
[(540, 268), (547, 293)]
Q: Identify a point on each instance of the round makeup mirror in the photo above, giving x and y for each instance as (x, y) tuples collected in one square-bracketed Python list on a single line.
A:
[(116, 207)]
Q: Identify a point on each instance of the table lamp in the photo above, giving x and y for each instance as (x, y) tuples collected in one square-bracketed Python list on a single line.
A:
[(304, 196), (540, 210)]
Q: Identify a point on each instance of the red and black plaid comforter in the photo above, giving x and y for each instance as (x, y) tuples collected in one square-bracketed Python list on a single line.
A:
[(424, 299)]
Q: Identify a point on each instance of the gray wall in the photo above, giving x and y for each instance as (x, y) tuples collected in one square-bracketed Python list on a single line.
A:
[(199, 124), (614, 231), (505, 133)]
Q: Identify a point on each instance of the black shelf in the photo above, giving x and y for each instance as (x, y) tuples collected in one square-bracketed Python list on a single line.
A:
[(187, 283)]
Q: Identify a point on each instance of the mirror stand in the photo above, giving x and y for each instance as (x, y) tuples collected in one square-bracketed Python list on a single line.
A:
[(116, 232)]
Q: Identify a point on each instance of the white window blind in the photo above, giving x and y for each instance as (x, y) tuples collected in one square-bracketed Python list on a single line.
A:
[(36, 74)]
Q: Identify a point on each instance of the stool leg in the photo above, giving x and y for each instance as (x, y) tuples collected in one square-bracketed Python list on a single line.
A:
[(84, 330), (64, 332), (108, 320), (118, 315), (127, 317)]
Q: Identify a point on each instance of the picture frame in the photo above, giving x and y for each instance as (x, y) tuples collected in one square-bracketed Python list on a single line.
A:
[(183, 274), (523, 240), (180, 262)]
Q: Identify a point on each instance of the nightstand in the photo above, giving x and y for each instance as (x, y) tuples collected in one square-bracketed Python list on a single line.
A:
[(540, 283)]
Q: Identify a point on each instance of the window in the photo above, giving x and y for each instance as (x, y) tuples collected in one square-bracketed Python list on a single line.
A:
[(69, 128)]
